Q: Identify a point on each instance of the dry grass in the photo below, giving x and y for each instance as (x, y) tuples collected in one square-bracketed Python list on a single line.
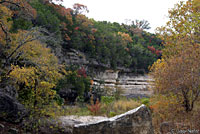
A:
[(118, 107), (109, 110), (125, 105), (168, 109)]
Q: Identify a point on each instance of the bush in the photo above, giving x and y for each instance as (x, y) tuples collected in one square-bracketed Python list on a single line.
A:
[(162, 107), (107, 99), (21, 23), (145, 101), (94, 108), (76, 82)]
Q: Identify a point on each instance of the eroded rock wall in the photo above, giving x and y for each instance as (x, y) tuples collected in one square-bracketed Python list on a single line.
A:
[(132, 85)]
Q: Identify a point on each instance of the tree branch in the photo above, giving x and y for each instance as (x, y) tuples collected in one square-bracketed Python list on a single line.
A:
[(13, 3)]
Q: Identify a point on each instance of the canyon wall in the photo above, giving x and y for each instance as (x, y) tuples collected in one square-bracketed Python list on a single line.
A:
[(132, 85)]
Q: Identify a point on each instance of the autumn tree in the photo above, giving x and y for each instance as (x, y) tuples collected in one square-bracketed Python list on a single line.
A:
[(182, 28), (178, 70), (35, 74), (180, 75), (27, 63)]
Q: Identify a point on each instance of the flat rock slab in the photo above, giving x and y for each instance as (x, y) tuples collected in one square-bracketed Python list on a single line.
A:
[(82, 119), (136, 121)]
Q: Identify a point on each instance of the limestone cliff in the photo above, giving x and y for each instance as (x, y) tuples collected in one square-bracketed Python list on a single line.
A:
[(133, 85)]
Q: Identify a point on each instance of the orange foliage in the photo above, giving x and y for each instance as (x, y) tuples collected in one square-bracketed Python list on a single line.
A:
[(155, 51), (64, 12), (21, 5), (5, 25), (94, 108), (91, 37), (94, 30), (66, 37), (126, 37)]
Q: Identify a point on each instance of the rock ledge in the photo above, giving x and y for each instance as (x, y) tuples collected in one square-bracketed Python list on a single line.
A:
[(136, 121)]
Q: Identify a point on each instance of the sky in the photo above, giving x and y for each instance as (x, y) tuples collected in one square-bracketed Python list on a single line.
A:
[(154, 11)]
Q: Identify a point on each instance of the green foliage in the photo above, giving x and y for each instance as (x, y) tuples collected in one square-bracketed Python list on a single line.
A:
[(107, 99), (145, 101), (21, 23), (46, 16), (76, 82), (111, 114)]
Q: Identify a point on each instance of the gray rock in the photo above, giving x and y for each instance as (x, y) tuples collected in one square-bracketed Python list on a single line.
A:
[(1, 127), (10, 109), (13, 131), (136, 121), (122, 78), (7, 88), (50, 126), (131, 85)]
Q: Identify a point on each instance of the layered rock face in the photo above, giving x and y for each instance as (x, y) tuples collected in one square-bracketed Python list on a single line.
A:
[(136, 121), (132, 85)]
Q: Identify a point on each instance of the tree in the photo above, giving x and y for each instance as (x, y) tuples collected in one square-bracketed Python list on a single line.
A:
[(21, 8), (34, 71), (80, 9), (180, 75), (141, 24), (182, 28), (178, 70), (27, 63)]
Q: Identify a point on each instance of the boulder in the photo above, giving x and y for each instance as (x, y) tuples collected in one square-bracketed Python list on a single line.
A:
[(10, 109), (136, 121), (1, 127), (8, 88)]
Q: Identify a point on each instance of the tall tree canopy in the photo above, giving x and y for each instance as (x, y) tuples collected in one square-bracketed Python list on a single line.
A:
[(178, 70)]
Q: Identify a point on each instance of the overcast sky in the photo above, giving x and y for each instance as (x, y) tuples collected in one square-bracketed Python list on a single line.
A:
[(154, 11)]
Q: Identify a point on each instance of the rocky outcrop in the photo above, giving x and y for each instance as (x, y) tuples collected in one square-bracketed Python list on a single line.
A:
[(10, 109), (132, 85), (75, 57), (136, 121)]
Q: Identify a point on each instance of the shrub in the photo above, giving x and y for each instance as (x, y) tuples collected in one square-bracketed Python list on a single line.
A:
[(165, 108), (107, 99), (145, 101), (77, 81), (111, 114), (94, 108)]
